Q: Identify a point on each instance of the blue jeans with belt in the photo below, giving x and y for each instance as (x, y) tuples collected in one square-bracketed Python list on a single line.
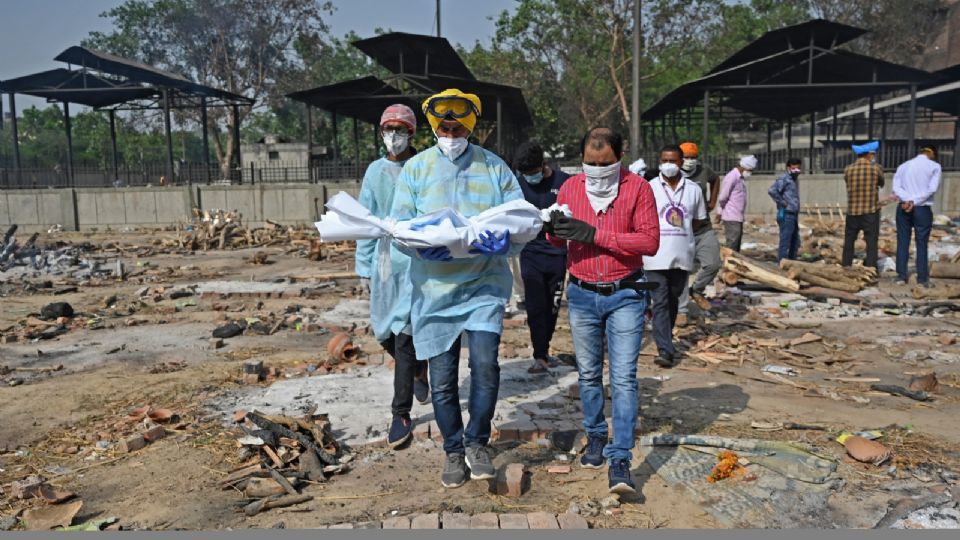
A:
[(619, 318), (484, 387), (919, 221)]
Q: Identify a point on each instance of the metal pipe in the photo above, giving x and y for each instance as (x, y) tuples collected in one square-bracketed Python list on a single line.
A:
[(883, 135), (113, 143), (69, 131), (167, 134), (438, 18), (704, 136), (236, 142), (635, 82), (913, 120), (336, 139), (789, 137), (882, 84), (206, 137), (356, 150), (14, 134), (813, 132), (500, 128), (956, 143)]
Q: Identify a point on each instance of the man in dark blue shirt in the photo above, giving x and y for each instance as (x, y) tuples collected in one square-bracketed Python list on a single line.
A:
[(786, 194), (542, 265)]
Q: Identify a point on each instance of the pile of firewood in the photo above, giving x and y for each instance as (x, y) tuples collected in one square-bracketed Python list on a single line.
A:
[(843, 278), (219, 229), (283, 452), (819, 280)]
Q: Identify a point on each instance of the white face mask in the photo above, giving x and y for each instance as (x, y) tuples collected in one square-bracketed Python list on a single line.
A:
[(669, 170), (603, 184), (452, 147), (689, 165), (746, 174), (396, 143)]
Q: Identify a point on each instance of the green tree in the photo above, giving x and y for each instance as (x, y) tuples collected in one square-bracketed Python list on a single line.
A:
[(242, 46)]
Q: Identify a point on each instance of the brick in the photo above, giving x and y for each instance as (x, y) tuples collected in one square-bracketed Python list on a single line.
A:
[(947, 339), (26, 488), (510, 480), (342, 526), (558, 469), (398, 522), (514, 521), (542, 520), (486, 520), (253, 367), (455, 520), (239, 416), (572, 521), (425, 521), (154, 434), (133, 443)]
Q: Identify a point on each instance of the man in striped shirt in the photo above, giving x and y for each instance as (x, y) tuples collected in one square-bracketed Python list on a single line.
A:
[(613, 225)]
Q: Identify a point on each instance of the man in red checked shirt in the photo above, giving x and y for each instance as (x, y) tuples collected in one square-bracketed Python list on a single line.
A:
[(614, 224)]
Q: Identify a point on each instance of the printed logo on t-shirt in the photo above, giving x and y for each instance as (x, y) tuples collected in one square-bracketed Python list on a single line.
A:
[(674, 215)]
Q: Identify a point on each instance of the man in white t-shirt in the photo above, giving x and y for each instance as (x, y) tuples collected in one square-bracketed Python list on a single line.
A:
[(681, 209)]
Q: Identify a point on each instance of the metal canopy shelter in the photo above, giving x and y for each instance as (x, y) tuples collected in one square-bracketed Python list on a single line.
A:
[(107, 82), (787, 73), (419, 66)]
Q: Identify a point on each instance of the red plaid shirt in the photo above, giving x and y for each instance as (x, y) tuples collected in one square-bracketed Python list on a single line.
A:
[(626, 231)]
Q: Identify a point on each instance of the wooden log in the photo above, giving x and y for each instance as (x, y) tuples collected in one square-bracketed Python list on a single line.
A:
[(262, 505), (281, 431), (857, 275), (821, 282), (945, 270), (949, 291), (730, 278), (817, 293), (746, 268)]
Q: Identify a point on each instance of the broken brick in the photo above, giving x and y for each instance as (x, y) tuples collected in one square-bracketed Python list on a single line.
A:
[(216, 343), (154, 434), (251, 378), (542, 520), (510, 480), (239, 415), (558, 469), (572, 521), (133, 443), (26, 488), (486, 520)]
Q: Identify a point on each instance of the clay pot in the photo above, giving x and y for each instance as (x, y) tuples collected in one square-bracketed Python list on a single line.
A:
[(160, 416), (341, 349)]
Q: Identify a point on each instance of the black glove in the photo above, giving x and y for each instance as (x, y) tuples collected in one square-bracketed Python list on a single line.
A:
[(550, 226), (573, 229)]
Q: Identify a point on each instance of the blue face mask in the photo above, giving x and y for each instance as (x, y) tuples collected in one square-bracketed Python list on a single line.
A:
[(534, 179)]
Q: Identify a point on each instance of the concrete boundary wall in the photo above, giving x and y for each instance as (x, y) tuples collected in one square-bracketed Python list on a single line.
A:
[(87, 208)]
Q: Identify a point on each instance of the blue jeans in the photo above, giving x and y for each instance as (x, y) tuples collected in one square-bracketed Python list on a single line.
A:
[(484, 387), (920, 221), (789, 236), (620, 316)]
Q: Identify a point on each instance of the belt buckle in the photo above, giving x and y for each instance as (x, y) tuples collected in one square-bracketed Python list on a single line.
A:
[(606, 289)]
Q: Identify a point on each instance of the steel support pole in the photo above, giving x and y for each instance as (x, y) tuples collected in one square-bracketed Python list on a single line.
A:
[(705, 132), (309, 139), (956, 143), (813, 132), (356, 150), (912, 129), (336, 139), (113, 144), (769, 142), (789, 137), (635, 84), (69, 131), (883, 136), (833, 148), (167, 132), (438, 18), (500, 127), (206, 137), (870, 120), (14, 134), (236, 142)]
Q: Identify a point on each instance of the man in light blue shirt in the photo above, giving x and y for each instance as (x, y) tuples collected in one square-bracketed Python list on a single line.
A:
[(387, 273), (467, 296), (915, 183)]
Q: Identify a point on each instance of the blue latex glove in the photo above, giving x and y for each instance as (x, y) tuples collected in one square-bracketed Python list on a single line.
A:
[(417, 226), (490, 245), (781, 215), (435, 254)]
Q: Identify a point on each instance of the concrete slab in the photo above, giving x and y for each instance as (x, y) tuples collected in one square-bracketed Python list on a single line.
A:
[(23, 208)]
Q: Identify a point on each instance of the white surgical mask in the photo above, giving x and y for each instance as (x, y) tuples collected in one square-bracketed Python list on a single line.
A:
[(603, 184), (689, 165), (396, 143), (669, 170), (452, 147), (746, 174)]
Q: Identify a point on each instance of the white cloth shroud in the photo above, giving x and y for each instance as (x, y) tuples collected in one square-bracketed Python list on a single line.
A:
[(347, 219)]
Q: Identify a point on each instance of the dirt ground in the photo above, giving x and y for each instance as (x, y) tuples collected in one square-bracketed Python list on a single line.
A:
[(65, 424)]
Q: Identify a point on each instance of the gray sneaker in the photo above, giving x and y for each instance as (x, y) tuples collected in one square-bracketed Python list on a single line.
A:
[(478, 459), (454, 471)]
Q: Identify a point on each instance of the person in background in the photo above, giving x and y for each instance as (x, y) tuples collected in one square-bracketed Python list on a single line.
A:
[(390, 297), (914, 184), (465, 296), (613, 226), (682, 210), (732, 201), (863, 179), (638, 167), (786, 194), (542, 265), (707, 255)]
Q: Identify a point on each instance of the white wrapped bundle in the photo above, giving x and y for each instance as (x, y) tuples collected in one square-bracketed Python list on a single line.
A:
[(347, 219)]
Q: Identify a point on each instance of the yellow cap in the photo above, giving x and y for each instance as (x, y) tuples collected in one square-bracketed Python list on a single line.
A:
[(466, 115)]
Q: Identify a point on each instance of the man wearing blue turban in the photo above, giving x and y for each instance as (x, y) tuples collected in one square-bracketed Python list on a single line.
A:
[(863, 178)]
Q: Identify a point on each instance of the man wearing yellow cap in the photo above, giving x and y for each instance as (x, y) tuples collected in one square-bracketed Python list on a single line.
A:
[(459, 296), (707, 253)]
